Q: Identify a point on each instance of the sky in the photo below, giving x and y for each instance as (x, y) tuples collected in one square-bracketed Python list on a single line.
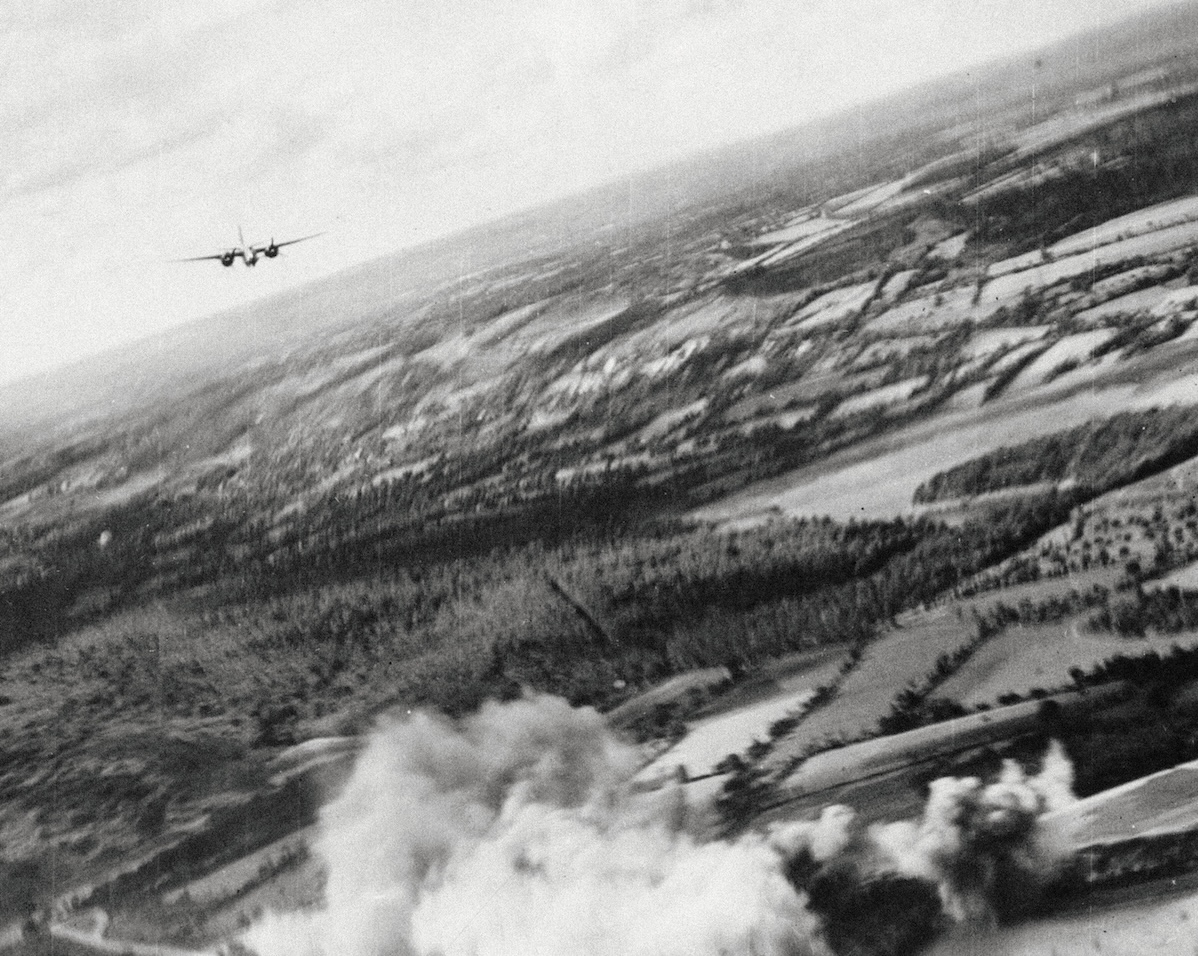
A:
[(136, 132)]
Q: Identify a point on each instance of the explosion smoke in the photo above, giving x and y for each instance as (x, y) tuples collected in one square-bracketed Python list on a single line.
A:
[(985, 846), (516, 831)]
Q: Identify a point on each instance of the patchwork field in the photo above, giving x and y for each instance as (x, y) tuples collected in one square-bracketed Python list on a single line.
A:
[(1133, 303), (588, 453), (821, 776), (710, 739), (834, 306), (1071, 349), (989, 341), (889, 397), (1004, 287), (878, 478), (1026, 657), (899, 658), (930, 314), (1151, 219)]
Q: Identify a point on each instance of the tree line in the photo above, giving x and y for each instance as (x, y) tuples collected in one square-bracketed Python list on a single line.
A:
[(1095, 457)]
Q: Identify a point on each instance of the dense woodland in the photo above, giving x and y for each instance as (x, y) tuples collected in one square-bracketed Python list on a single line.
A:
[(591, 617), (1165, 166), (1093, 458)]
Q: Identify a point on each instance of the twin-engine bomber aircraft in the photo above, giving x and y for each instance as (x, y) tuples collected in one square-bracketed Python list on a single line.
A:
[(249, 254)]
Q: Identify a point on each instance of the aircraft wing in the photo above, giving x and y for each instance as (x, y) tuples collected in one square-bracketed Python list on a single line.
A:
[(219, 255), (289, 242)]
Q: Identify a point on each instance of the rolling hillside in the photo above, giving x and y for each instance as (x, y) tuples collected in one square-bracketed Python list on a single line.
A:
[(902, 397)]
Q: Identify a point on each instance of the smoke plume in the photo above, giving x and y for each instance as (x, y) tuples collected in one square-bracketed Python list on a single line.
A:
[(516, 832), (985, 846)]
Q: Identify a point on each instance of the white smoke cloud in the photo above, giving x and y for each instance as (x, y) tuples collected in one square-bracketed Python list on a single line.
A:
[(551, 882), (985, 846), (516, 832), (823, 839)]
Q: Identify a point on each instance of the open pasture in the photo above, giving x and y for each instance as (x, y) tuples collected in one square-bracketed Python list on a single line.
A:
[(902, 656), (951, 248), (1150, 219), (888, 350), (879, 756), (1025, 657), (1177, 301), (988, 341), (1065, 126), (669, 692), (896, 285), (1017, 356), (835, 305), (1164, 802), (878, 477), (967, 399), (806, 226), (710, 739), (241, 873), (1130, 279), (1184, 578), (928, 313), (885, 396), (872, 199), (1155, 243), (724, 314), (789, 250), (1132, 303), (784, 420), (1071, 349), (1025, 260), (801, 392)]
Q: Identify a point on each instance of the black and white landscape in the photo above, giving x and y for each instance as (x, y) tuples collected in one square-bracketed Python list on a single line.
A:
[(792, 549)]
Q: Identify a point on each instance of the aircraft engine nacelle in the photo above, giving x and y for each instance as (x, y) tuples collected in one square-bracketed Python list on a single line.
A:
[(227, 259), (271, 251)]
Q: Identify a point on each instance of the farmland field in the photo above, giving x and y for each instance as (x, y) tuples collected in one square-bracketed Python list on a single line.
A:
[(1165, 802), (1025, 657), (1143, 300), (927, 314), (987, 341), (709, 739), (1072, 348), (834, 306), (881, 482), (1185, 578), (1137, 223), (805, 227), (886, 396), (840, 461), (1009, 285), (903, 656)]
